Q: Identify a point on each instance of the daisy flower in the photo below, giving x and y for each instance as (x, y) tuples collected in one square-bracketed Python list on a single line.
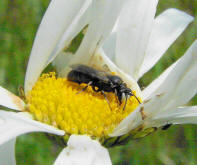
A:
[(120, 36)]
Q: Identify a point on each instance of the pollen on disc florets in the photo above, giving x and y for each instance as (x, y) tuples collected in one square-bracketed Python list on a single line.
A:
[(55, 101)]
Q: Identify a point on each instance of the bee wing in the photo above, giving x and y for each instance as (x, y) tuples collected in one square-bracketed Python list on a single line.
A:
[(102, 76), (90, 71)]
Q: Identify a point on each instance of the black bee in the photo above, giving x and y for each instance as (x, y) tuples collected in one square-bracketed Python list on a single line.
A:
[(100, 81)]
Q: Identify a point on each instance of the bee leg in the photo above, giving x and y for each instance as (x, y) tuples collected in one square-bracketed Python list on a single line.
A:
[(117, 98), (106, 99), (125, 103), (85, 87), (119, 95)]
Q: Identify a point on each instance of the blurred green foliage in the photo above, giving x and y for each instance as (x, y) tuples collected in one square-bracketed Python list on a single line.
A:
[(19, 21)]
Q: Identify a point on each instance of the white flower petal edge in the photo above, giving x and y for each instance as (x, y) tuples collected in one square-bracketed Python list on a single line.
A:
[(7, 153), (166, 29), (129, 123), (151, 88), (82, 150), (82, 19), (61, 62), (182, 115), (57, 19), (14, 124), (133, 31), (104, 16), (9, 100), (177, 88)]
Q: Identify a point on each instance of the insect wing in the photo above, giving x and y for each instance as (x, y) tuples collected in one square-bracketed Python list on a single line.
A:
[(95, 74)]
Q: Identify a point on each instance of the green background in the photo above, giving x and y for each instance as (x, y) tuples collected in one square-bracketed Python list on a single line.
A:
[(19, 20)]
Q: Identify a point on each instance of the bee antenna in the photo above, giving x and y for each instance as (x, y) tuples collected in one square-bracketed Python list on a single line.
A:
[(106, 99), (136, 98)]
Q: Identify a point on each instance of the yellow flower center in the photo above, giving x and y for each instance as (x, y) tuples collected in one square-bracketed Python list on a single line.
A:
[(58, 102)]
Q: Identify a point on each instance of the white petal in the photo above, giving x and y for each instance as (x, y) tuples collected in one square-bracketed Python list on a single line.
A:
[(10, 100), (7, 153), (82, 19), (151, 88), (155, 87), (14, 124), (133, 31), (177, 87), (57, 19), (167, 28), (180, 85), (82, 150), (182, 115), (129, 123), (109, 46), (62, 59), (61, 62), (104, 16)]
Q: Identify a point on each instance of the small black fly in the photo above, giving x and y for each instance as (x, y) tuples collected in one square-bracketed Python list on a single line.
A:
[(100, 81)]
